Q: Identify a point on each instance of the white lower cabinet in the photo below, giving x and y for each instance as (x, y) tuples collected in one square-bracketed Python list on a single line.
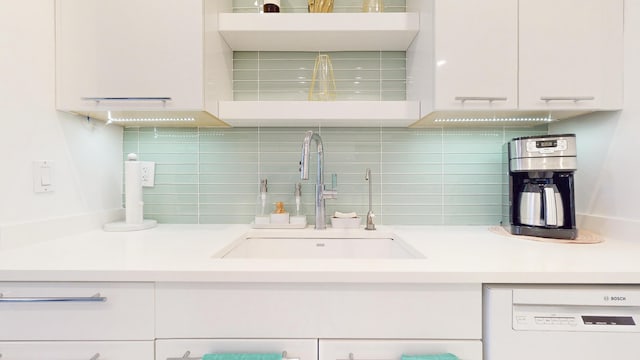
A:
[(301, 349), (77, 350), (76, 321), (76, 311), (394, 349)]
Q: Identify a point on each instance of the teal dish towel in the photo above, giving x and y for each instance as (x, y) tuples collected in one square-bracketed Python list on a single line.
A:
[(242, 356), (445, 356)]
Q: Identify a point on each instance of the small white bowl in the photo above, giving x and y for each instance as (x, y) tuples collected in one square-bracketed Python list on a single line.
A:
[(345, 223)]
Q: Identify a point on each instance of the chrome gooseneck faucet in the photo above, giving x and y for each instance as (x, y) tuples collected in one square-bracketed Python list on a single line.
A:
[(370, 215), (321, 193)]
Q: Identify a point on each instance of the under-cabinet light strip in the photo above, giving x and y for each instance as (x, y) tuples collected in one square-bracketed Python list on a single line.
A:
[(524, 119), (187, 119)]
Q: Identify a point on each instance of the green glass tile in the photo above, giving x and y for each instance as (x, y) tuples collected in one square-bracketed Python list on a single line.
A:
[(157, 135), (245, 54), (472, 158), (170, 199), (413, 209), (176, 168), (246, 85), (242, 188), (168, 209), (129, 147), (393, 74), (240, 66), (176, 179), (171, 189), (227, 219), (472, 148), (185, 158), (173, 218), (393, 54), (342, 55), (402, 179), (229, 168), (167, 148), (227, 209), (288, 55), (411, 199), (464, 200), (411, 219), (249, 158), (472, 169), (472, 189), (411, 189), (245, 199), (474, 179), (130, 134), (225, 179)]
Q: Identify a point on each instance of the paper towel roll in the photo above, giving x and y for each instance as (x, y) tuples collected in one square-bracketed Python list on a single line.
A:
[(134, 206)]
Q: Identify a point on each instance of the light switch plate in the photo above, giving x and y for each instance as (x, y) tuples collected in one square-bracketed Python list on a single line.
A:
[(42, 176), (148, 173)]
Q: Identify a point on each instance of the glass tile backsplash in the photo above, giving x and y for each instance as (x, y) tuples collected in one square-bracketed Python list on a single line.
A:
[(359, 75), (420, 176)]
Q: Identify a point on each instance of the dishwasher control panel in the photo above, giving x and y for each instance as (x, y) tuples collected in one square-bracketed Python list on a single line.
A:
[(527, 320), (597, 309)]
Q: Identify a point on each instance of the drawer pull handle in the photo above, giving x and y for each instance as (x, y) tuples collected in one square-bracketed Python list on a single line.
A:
[(567, 98), (164, 99), (479, 98), (187, 356), (94, 298)]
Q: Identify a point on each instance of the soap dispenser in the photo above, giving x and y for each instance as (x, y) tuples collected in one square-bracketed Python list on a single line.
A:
[(263, 205), (298, 217)]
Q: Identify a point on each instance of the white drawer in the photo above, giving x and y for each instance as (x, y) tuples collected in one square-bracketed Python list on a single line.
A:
[(81, 350), (394, 349), (66, 311), (403, 311), (303, 349)]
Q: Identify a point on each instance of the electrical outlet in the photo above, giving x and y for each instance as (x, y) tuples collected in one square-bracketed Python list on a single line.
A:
[(148, 173)]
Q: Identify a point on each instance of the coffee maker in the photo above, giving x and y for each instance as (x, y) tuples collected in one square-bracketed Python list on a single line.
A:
[(540, 187)]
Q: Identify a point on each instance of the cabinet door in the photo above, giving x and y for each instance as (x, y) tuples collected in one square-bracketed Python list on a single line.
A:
[(476, 55), (266, 310), (394, 349), (302, 349), (571, 54), (129, 49), (76, 311), (81, 350)]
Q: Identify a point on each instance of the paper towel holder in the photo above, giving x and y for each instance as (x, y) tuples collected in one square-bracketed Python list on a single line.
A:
[(134, 218)]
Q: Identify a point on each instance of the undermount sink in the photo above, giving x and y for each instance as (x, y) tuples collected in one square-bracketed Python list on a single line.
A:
[(312, 244)]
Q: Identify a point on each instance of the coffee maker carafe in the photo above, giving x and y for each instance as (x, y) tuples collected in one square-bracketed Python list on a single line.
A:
[(541, 192)]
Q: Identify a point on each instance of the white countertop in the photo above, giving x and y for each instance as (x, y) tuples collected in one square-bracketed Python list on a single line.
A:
[(459, 254)]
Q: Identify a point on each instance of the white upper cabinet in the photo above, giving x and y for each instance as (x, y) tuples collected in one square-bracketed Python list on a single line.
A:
[(476, 54), (571, 54), (130, 56), (498, 61)]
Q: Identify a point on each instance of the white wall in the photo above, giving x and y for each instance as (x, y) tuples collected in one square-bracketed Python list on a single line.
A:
[(87, 156), (607, 181)]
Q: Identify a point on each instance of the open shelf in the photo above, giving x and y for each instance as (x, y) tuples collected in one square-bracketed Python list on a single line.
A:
[(319, 31), (320, 113)]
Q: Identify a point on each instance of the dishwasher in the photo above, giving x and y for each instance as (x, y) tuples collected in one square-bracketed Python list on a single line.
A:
[(535, 322)]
